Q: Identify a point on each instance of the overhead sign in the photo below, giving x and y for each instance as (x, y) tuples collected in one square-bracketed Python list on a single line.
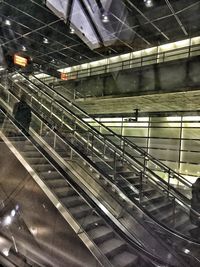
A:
[(21, 61), (63, 76)]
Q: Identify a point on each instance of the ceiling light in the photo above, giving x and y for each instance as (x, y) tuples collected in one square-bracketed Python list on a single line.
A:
[(24, 48), (7, 22), (13, 212), (72, 31), (187, 251), (7, 220), (105, 18), (45, 40), (5, 251), (148, 3)]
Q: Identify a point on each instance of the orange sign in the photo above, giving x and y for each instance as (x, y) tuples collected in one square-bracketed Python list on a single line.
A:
[(22, 61), (63, 76)]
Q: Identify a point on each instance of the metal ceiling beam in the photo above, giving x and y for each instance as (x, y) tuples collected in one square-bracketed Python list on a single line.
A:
[(69, 9), (140, 36), (44, 26), (55, 30), (146, 18), (98, 35), (176, 17)]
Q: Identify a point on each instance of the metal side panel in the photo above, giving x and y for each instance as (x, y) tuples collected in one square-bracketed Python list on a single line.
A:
[(60, 207)]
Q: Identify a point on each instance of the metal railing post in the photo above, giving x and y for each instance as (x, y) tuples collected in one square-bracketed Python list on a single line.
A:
[(174, 211), (114, 166), (41, 127), (141, 187), (168, 183), (54, 141)]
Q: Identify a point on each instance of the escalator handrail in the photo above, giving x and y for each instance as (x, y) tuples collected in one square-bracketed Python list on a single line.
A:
[(173, 232), (71, 182), (131, 144), (126, 155), (128, 158)]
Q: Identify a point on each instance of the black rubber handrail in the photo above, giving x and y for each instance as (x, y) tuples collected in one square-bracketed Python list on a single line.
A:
[(141, 250), (173, 232), (132, 145)]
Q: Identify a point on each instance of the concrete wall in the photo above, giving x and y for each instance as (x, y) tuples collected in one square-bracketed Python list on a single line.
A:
[(165, 77)]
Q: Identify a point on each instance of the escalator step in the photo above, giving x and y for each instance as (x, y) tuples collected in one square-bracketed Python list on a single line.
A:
[(37, 160), (154, 198), (33, 154), (72, 201), (101, 233), (168, 216), (125, 259), (159, 207), (112, 247), (55, 183), (80, 211), (64, 191), (183, 223), (50, 175), (43, 167), (91, 221)]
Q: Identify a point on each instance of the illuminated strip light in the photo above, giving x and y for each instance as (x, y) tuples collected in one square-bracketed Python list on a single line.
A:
[(128, 56), (136, 54), (21, 61)]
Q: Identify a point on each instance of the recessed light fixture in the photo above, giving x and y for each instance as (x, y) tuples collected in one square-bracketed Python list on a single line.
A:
[(45, 40), (24, 48), (72, 31), (148, 3), (7, 220), (5, 251), (105, 18), (7, 22)]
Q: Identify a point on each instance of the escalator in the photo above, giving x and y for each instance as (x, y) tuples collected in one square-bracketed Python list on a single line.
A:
[(126, 164), (91, 225), (95, 157)]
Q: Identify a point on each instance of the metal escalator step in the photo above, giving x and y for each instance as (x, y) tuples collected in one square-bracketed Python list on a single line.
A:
[(128, 191), (50, 175), (72, 201), (159, 207), (112, 247), (148, 190), (54, 183), (125, 259), (182, 223), (168, 216), (63, 153), (128, 174), (80, 211), (37, 160), (64, 191), (91, 221), (180, 217), (101, 233), (154, 198), (188, 229), (43, 167), (32, 154), (29, 147), (17, 139)]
